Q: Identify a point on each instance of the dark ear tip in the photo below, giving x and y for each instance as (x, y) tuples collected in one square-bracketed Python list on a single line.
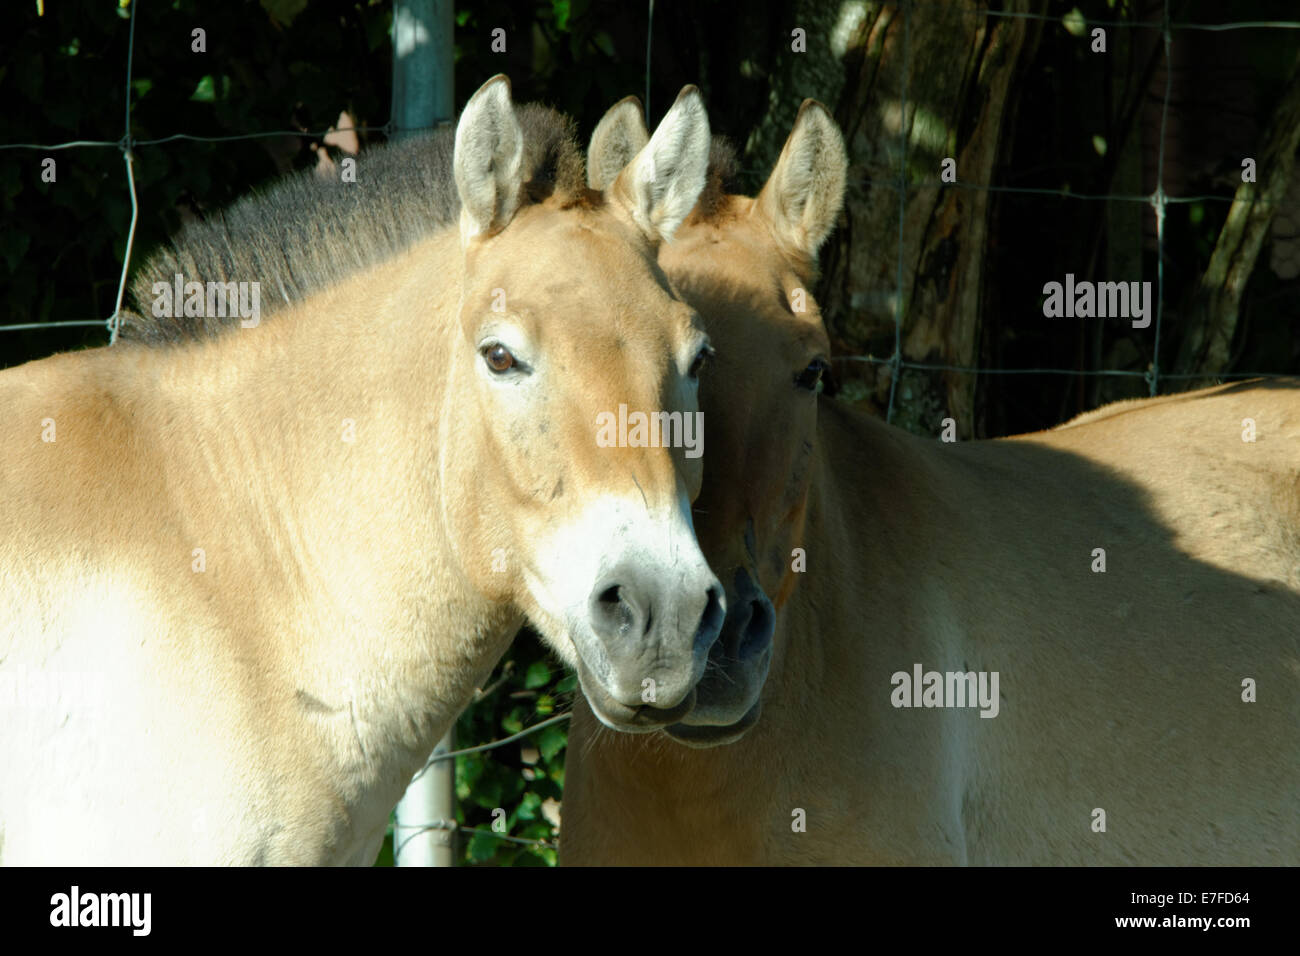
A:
[(687, 92), (813, 106), (500, 79)]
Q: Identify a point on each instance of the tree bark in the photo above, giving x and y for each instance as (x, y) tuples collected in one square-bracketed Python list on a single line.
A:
[(940, 83), (1216, 301)]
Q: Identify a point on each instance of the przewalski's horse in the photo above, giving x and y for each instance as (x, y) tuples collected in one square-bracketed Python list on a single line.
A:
[(1120, 691), (251, 571)]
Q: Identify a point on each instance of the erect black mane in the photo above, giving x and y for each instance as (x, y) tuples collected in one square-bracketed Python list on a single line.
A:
[(306, 232)]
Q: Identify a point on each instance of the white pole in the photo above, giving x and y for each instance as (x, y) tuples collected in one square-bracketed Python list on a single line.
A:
[(429, 800), (423, 54), (423, 88)]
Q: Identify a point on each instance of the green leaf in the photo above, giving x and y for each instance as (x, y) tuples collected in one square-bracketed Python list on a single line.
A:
[(551, 740), (529, 807), (488, 793), (211, 88), (482, 847), (560, 9), (539, 675), (604, 43)]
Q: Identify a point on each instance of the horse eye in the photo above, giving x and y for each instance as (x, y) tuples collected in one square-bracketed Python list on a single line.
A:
[(811, 377), (498, 358), (701, 359)]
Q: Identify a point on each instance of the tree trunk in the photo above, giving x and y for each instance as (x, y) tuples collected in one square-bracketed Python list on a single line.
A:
[(943, 83), (1216, 301)]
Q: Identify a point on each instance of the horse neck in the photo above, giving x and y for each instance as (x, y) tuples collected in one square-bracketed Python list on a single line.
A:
[(868, 494), (859, 506), (863, 504), (305, 451)]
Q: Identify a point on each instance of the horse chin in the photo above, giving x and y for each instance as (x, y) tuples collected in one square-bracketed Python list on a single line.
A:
[(629, 720), (704, 736)]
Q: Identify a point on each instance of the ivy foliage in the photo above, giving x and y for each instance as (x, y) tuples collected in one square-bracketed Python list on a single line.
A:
[(513, 790)]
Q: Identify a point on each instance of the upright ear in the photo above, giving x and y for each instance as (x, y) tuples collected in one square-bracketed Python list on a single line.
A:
[(660, 185), (488, 160), (802, 198), (619, 136)]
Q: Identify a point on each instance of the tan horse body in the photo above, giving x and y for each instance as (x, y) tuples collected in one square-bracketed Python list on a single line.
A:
[(1121, 735), (246, 582)]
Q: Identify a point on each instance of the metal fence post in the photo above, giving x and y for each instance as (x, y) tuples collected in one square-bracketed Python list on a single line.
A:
[(423, 96)]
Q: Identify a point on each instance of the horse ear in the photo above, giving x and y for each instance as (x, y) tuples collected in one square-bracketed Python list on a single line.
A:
[(659, 187), (619, 136), (802, 198), (488, 160)]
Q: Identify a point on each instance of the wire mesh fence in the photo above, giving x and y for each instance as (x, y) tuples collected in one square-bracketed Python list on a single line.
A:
[(454, 827), (1158, 200)]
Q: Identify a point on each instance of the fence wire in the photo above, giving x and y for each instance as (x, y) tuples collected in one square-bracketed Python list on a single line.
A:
[(1158, 200), (453, 825)]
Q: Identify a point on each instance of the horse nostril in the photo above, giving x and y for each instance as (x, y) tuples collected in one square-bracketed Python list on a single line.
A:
[(611, 613), (748, 631), (757, 633)]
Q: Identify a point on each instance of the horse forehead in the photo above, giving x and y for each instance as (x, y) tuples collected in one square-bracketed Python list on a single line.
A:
[(744, 271), (738, 248), (573, 240), (751, 309), (581, 262)]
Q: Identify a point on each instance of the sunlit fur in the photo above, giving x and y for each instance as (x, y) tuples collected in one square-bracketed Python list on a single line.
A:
[(1120, 691), (377, 514)]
